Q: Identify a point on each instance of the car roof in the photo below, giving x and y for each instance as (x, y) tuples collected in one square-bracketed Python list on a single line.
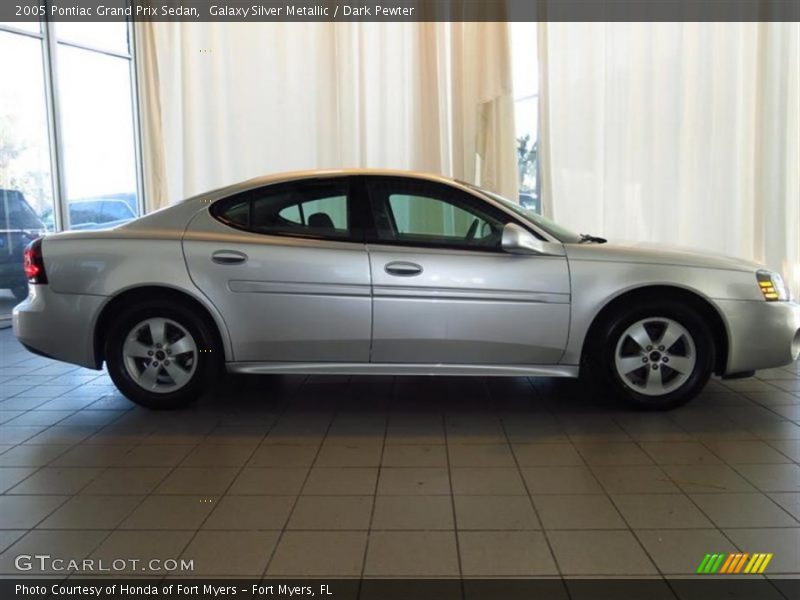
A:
[(257, 182)]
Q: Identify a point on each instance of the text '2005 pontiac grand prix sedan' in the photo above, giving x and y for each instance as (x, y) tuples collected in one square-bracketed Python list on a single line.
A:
[(392, 273)]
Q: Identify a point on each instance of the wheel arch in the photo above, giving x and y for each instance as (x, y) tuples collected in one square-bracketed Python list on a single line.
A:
[(703, 305), (133, 295)]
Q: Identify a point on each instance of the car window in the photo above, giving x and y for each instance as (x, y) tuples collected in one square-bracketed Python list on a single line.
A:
[(116, 210), (309, 209), (425, 213), (16, 213)]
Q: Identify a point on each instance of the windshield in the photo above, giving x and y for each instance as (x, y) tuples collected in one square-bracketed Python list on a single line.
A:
[(562, 234)]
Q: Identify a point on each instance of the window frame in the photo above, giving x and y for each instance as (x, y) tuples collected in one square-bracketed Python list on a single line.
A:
[(357, 225), (440, 190), (48, 38)]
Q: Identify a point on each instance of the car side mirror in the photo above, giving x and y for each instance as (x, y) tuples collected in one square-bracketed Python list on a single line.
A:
[(517, 240)]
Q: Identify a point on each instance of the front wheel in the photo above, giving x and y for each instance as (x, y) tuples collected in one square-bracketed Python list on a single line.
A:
[(657, 356), (161, 355)]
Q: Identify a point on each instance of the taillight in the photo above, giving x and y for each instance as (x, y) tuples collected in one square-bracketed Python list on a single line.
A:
[(34, 263)]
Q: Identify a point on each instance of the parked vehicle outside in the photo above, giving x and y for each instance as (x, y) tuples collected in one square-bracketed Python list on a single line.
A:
[(19, 225), (97, 213), (393, 273)]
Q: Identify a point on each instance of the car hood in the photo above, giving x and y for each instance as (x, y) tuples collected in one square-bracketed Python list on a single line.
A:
[(657, 254)]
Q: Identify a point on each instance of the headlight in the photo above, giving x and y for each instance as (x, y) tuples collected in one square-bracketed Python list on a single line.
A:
[(772, 286)]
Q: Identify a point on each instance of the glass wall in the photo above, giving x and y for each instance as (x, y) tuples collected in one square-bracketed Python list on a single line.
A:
[(68, 136), (525, 73)]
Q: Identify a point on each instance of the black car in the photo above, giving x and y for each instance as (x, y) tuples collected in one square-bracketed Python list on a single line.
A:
[(18, 226)]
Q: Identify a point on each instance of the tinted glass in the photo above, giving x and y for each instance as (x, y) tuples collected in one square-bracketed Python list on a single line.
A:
[(304, 209), (424, 213)]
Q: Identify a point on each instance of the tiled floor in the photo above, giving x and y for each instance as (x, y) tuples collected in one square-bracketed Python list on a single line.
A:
[(327, 476)]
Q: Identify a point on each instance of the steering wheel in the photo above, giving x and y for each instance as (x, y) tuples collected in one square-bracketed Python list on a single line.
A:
[(473, 228)]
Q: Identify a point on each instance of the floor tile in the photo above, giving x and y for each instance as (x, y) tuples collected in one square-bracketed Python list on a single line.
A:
[(269, 481), (480, 455), (409, 481), (319, 553), (31, 455), (11, 476), (679, 552), (680, 453), (495, 513), (708, 479), (91, 512), (493, 481), (505, 553), (283, 456), (350, 481), (613, 454), (56, 480), (198, 480), (144, 546), (331, 512), (25, 512), (413, 512), (408, 455), (547, 455), (772, 478), (783, 543), (580, 511), (218, 455), (67, 545), (743, 510), (231, 553), (125, 481), (170, 512), (361, 455), (660, 511), (561, 480), (789, 501), (411, 553), (250, 513), (599, 553)]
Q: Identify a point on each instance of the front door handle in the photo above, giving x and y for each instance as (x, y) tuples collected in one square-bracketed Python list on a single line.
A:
[(401, 268), (229, 257)]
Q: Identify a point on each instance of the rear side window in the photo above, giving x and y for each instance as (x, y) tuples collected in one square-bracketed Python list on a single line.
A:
[(305, 209)]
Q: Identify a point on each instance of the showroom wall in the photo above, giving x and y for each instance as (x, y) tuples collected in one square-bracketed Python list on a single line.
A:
[(679, 133), (223, 102)]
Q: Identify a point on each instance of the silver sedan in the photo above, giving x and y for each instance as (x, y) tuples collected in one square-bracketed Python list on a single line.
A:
[(392, 273)]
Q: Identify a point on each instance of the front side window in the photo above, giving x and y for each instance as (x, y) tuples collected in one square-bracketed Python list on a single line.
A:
[(305, 209), (430, 214)]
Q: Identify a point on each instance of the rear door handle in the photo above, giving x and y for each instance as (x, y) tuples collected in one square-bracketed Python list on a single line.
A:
[(401, 268), (229, 257)]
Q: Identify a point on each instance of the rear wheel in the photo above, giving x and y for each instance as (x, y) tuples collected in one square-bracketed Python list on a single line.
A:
[(162, 355), (657, 356)]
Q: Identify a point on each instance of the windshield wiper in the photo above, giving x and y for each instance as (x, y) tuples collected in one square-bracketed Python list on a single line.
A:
[(585, 237)]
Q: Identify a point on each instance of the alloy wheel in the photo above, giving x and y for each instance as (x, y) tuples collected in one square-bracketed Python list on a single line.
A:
[(160, 355), (655, 356)]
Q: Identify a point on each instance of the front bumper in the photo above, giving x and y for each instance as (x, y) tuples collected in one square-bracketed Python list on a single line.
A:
[(60, 326), (761, 335)]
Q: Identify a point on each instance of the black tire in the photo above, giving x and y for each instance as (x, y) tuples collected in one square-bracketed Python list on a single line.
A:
[(208, 357), (602, 351), (20, 291)]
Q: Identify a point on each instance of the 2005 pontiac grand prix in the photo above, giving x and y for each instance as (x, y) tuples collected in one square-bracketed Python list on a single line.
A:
[(383, 272)]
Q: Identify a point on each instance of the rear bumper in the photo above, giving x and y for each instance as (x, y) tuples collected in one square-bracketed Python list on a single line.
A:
[(761, 334), (59, 326)]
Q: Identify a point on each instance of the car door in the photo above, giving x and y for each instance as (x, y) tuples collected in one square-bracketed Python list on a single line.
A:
[(287, 268), (445, 292)]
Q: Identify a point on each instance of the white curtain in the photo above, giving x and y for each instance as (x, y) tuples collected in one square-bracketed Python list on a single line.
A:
[(682, 133), (224, 102)]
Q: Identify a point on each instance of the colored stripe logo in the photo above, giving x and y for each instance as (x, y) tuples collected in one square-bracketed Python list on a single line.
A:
[(731, 564)]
